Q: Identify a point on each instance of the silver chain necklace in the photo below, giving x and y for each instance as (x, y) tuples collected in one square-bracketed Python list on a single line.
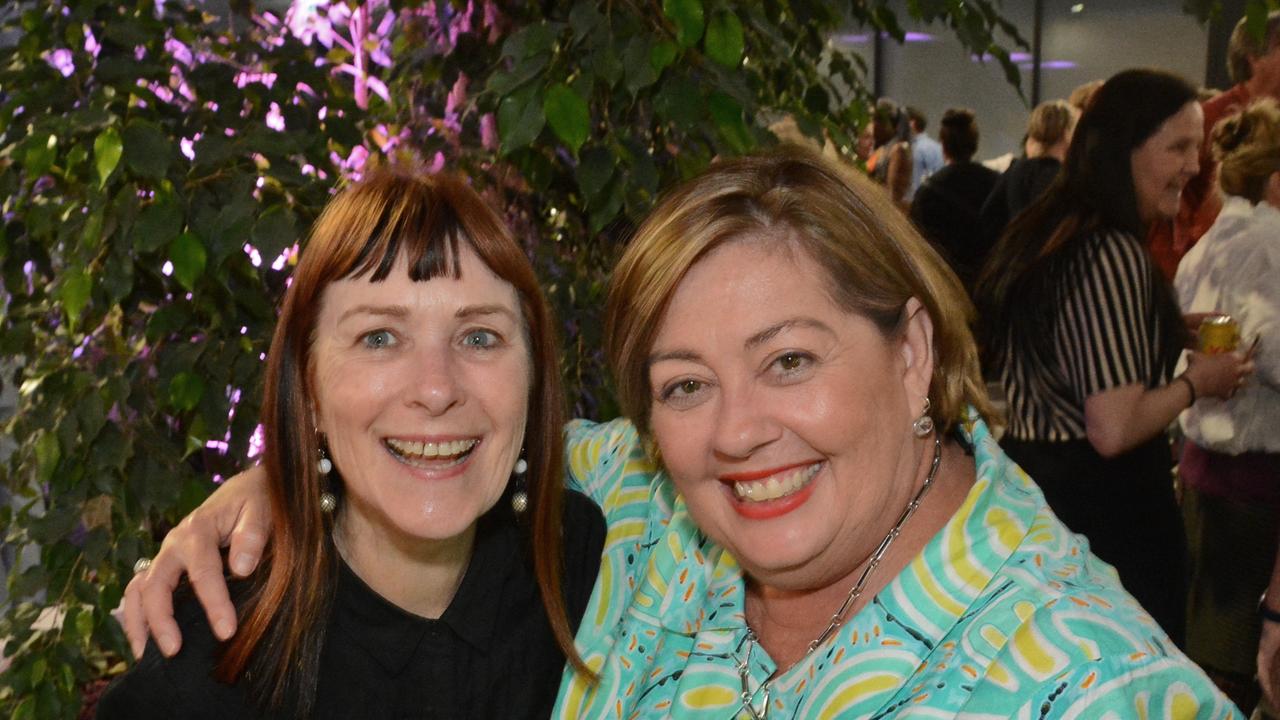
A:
[(744, 667)]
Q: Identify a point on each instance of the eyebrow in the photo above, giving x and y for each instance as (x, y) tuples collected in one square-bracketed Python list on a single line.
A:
[(400, 312), (395, 311), (752, 342), (471, 311)]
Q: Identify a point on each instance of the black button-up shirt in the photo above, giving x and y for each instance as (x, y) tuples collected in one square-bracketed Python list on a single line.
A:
[(491, 654)]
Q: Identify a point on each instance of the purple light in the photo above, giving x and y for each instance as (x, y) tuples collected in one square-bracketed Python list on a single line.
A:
[(188, 147), (1058, 65), (275, 120), (254, 256), (918, 37), (1019, 57), (61, 61), (167, 268), (255, 440)]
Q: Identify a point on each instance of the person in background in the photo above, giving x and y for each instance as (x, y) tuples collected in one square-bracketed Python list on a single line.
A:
[(926, 153), (1049, 131), (1084, 333), (1254, 65), (421, 566), (890, 161), (946, 208), (1082, 94), (1230, 465)]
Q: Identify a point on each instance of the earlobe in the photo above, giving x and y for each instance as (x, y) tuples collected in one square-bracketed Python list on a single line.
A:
[(917, 346)]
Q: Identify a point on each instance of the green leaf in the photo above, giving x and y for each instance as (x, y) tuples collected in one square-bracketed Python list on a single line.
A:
[(662, 55), (594, 172), (1256, 20), (724, 40), (678, 100), (157, 226), (185, 391), (47, 456), (687, 16), (727, 114), (147, 150), (117, 273), (568, 115), (637, 60), (531, 40), (92, 233), (274, 231), (74, 293), (817, 100), (188, 256), (107, 149), (585, 20), (42, 151), (520, 118)]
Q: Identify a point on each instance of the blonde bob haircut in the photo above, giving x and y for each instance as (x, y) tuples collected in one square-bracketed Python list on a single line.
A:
[(874, 260), (1247, 146)]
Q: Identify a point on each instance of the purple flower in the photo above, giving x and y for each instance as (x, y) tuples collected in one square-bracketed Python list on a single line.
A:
[(61, 61)]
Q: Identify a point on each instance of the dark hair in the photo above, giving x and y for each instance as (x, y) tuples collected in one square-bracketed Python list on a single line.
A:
[(958, 134), (392, 213), (890, 115), (916, 116), (1094, 192), (1243, 45)]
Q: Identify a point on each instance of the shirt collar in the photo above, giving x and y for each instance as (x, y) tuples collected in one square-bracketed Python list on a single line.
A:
[(391, 635), (941, 584)]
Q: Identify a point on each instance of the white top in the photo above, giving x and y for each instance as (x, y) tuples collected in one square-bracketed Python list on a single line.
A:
[(1235, 268)]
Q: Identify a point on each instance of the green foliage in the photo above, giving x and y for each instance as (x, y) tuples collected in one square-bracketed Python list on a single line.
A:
[(132, 185), (127, 373)]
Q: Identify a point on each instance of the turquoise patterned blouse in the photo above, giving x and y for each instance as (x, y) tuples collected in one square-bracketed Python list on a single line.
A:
[(1005, 614)]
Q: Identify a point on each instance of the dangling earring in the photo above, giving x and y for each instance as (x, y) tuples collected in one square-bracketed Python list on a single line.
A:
[(327, 499), (519, 498), (923, 424)]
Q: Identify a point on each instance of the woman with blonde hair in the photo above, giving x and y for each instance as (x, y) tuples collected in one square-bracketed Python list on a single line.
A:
[(808, 515), (1049, 131), (1230, 465)]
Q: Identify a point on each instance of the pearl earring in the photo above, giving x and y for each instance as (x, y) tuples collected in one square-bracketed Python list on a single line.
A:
[(327, 499), (519, 498)]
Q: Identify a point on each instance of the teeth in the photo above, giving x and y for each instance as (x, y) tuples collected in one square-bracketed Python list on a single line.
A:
[(777, 486), (429, 451)]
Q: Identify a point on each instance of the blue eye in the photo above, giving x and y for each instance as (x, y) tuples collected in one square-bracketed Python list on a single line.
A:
[(379, 339), (480, 339)]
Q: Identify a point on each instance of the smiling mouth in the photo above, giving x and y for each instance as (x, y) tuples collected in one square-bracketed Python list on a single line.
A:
[(777, 486), (429, 454)]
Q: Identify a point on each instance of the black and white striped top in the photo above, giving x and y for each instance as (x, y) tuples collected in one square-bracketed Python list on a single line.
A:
[(1106, 334)]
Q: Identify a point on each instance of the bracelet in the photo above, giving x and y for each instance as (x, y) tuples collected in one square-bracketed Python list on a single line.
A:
[(1265, 612), (1190, 387)]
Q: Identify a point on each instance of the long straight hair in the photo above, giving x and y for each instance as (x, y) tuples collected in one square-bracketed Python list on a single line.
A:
[(1021, 284), (363, 231)]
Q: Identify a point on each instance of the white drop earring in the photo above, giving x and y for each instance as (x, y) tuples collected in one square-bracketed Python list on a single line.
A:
[(328, 501), (923, 424), (520, 498)]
